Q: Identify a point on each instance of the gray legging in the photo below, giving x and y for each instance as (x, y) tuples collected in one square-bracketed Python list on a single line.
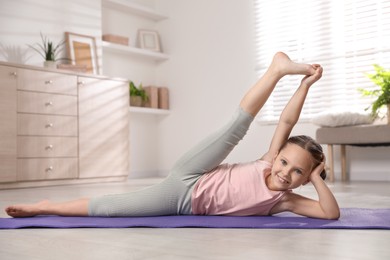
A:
[(173, 195)]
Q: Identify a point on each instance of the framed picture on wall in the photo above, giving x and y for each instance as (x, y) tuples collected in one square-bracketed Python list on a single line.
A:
[(82, 51), (149, 40)]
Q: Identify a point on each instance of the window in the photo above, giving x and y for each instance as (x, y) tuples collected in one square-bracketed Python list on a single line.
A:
[(345, 36)]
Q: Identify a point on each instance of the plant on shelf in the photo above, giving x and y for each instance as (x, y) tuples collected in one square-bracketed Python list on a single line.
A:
[(381, 78), (137, 95), (48, 50)]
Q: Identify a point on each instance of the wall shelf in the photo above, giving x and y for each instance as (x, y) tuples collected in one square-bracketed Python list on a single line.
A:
[(117, 48), (150, 111), (133, 8)]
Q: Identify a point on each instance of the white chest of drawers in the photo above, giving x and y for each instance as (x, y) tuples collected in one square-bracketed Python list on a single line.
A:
[(54, 130)]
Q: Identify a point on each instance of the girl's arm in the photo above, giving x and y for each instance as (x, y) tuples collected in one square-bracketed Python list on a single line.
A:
[(290, 114), (326, 207)]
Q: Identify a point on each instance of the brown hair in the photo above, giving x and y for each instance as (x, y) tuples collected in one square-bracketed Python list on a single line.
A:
[(310, 145)]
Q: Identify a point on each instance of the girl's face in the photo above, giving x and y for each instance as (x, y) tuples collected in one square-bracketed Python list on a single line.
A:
[(291, 168)]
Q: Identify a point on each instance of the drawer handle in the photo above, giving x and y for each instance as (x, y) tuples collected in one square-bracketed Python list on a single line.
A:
[(81, 83), (49, 125), (49, 147), (14, 74), (49, 169), (47, 82), (50, 103)]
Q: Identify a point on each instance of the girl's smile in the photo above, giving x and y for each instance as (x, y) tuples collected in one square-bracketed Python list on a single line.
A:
[(291, 168)]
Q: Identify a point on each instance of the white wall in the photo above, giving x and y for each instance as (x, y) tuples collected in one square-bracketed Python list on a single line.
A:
[(211, 66)]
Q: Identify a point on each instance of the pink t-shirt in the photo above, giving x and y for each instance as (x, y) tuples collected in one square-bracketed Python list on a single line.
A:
[(235, 189)]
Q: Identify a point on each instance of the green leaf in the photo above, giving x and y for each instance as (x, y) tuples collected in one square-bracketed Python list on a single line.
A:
[(47, 49), (381, 78), (134, 91)]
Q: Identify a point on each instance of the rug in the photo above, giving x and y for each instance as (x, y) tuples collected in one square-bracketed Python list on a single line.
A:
[(351, 218)]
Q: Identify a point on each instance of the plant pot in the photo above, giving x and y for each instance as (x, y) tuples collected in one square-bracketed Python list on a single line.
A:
[(50, 64), (135, 101)]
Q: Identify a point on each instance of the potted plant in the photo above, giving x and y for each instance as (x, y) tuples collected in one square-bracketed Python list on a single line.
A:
[(48, 51), (381, 78), (137, 95)]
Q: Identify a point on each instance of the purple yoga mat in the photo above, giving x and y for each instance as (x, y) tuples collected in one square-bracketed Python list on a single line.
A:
[(351, 218)]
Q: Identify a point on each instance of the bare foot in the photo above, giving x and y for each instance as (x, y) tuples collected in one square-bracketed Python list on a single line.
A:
[(27, 210), (283, 65), (311, 79)]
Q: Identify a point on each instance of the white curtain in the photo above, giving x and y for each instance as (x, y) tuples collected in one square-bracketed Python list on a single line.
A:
[(346, 37)]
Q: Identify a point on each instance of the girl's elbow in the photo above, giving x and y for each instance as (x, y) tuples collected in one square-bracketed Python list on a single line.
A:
[(335, 215), (332, 217)]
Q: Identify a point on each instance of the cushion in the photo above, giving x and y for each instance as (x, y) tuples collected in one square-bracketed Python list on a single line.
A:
[(336, 118)]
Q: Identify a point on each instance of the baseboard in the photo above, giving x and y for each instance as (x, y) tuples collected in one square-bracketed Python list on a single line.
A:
[(365, 176), (144, 174)]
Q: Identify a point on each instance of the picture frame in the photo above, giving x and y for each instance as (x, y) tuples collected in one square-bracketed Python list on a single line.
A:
[(149, 40), (82, 51)]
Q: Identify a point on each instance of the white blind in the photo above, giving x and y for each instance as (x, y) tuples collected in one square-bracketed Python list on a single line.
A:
[(345, 36)]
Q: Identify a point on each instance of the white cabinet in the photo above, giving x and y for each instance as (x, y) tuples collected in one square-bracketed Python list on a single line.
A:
[(104, 128), (61, 128), (46, 147), (8, 123)]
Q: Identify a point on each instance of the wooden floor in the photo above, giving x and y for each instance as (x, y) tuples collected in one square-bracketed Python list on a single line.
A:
[(194, 243)]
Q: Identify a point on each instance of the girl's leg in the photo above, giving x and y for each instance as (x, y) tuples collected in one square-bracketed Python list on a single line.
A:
[(71, 208), (213, 150), (161, 199), (281, 65), (165, 198)]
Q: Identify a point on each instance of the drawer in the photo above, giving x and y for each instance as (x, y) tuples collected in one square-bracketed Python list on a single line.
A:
[(49, 82), (47, 169), (47, 125), (42, 103), (36, 147)]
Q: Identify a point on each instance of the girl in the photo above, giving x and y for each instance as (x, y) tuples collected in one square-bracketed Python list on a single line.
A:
[(198, 184)]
